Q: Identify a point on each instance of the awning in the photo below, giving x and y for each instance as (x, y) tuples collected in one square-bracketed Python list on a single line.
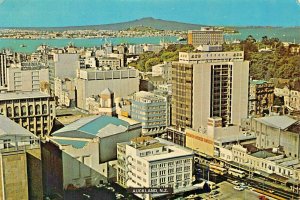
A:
[(279, 178)]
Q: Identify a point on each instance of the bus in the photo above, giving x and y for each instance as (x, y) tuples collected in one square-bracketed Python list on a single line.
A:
[(217, 169), (236, 172)]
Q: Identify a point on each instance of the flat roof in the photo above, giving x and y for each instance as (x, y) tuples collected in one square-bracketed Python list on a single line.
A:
[(22, 95), (281, 122), (263, 154)]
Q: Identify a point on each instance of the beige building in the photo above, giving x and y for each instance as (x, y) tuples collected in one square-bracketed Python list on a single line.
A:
[(261, 97), (102, 104), (3, 71), (209, 84), (34, 111), (291, 96), (146, 162), (64, 90), (277, 132), (27, 76), (21, 166), (205, 36), (122, 82)]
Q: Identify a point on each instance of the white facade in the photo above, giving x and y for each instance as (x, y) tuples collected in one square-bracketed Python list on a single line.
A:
[(148, 162), (27, 78)]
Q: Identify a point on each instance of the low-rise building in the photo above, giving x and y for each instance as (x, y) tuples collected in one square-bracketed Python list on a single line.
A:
[(146, 162), (102, 104), (34, 111), (93, 142), (277, 131)]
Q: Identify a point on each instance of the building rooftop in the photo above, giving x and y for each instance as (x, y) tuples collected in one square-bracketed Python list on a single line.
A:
[(257, 82), (9, 127), (170, 150), (281, 122), (22, 95), (74, 143), (263, 154), (91, 127)]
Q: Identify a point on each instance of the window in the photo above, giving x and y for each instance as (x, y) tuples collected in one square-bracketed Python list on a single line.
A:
[(171, 179), (9, 112), (38, 109), (153, 174), (162, 180), (16, 111), (171, 171), (162, 173), (178, 177)]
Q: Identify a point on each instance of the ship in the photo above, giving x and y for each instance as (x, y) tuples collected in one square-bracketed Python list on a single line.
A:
[(22, 45)]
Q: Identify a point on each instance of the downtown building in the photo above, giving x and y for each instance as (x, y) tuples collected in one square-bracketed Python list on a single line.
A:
[(146, 162), (205, 36), (152, 110), (27, 76), (209, 85), (3, 71), (35, 111), (122, 82)]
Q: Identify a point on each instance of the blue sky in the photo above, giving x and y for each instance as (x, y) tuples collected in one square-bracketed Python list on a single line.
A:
[(26, 13)]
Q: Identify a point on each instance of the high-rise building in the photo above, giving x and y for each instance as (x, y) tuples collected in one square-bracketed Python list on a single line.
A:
[(209, 84), (152, 111), (204, 36), (34, 111), (3, 70)]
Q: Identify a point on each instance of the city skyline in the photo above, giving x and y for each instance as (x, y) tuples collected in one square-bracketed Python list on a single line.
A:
[(52, 13)]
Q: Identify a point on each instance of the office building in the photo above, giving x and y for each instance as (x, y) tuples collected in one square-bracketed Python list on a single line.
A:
[(64, 65), (209, 84), (261, 97), (146, 162), (27, 76), (152, 111), (122, 82), (21, 166), (3, 70), (35, 111), (204, 36)]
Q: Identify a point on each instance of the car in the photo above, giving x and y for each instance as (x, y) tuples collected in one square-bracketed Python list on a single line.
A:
[(111, 189), (235, 183), (119, 196), (238, 188)]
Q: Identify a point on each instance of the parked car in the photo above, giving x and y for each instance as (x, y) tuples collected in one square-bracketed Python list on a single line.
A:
[(238, 188)]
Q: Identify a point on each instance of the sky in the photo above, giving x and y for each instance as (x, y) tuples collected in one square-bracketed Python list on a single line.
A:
[(55, 13)]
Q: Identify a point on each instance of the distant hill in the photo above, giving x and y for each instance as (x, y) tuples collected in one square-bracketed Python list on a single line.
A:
[(147, 22)]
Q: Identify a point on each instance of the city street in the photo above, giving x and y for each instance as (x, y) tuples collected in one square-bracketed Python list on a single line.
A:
[(227, 192)]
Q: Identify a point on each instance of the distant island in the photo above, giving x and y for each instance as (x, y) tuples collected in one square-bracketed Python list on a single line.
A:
[(158, 24), (145, 27)]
